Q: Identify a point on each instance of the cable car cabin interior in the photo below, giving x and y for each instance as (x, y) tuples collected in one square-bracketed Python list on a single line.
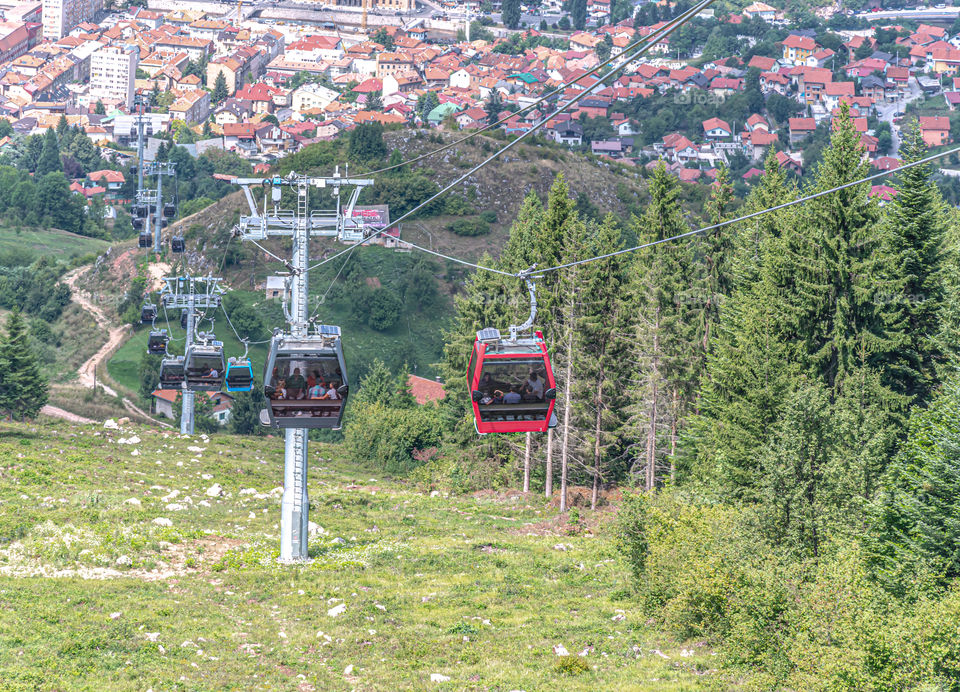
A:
[(171, 373), (306, 388), (177, 243), (148, 313), (512, 386), (239, 375), (204, 368), (157, 341)]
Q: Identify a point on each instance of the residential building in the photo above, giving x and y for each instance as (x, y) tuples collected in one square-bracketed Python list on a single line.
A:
[(796, 49), (113, 70), (715, 128), (800, 129), (60, 16), (935, 130)]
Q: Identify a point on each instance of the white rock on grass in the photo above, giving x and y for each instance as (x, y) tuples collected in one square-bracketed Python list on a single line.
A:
[(204, 503), (561, 650), (162, 521), (132, 501), (194, 448), (337, 610), (171, 496), (214, 490), (348, 670), (152, 636), (437, 677), (135, 453), (619, 617), (248, 491), (124, 560), (175, 507), (110, 424), (114, 616)]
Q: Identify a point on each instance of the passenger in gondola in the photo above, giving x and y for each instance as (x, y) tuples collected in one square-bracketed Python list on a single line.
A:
[(317, 390), (533, 388), (513, 396), (486, 383), (280, 392), (296, 385), (210, 373)]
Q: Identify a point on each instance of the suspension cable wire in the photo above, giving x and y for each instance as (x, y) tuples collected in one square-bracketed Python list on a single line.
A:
[(236, 333), (747, 217), (283, 261), (457, 260), (653, 39), (169, 328), (549, 95)]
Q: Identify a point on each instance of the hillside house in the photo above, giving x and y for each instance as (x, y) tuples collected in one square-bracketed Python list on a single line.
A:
[(935, 130), (164, 400), (800, 129), (796, 49), (715, 128)]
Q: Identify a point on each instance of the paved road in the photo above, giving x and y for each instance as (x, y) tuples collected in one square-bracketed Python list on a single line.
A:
[(887, 112)]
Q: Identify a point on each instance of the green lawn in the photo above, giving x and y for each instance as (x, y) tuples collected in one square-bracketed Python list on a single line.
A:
[(27, 245), (119, 571)]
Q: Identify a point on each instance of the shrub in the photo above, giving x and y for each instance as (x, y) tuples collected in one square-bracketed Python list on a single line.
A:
[(393, 439), (469, 227), (571, 665), (489, 215), (384, 308)]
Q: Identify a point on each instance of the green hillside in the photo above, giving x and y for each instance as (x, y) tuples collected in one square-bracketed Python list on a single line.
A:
[(164, 583), (24, 246)]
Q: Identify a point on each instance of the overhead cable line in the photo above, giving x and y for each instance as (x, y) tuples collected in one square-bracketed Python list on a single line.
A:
[(625, 59), (681, 18)]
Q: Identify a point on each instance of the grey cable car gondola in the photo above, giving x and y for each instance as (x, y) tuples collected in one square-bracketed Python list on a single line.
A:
[(136, 222), (169, 210), (148, 313), (171, 372), (157, 341), (177, 244), (305, 381), (145, 239), (203, 367), (140, 211)]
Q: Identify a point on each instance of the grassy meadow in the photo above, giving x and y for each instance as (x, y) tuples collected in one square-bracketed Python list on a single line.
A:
[(137, 559)]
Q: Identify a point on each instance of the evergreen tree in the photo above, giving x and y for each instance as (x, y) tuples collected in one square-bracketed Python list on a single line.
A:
[(99, 109), (49, 160), (245, 413), (23, 391), (510, 13), (578, 14), (913, 225), (149, 374), (220, 92), (494, 107), (207, 131), (375, 101), (366, 142)]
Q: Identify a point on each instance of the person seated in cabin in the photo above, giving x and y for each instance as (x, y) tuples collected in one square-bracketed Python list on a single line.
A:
[(486, 383), (296, 385), (280, 391), (533, 388), (497, 396), (331, 394), (513, 396), (311, 379), (210, 373), (316, 391)]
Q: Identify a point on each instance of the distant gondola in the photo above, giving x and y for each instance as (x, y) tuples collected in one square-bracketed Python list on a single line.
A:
[(239, 375), (157, 341), (145, 239), (171, 372), (177, 244), (148, 313), (169, 210), (203, 366)]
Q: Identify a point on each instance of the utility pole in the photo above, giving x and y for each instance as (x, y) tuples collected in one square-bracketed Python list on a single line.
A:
[(299, 226), (184, 293)]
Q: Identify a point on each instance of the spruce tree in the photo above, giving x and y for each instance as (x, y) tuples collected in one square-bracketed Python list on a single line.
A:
[(23, 392), (220, 92), (49, 161), (245, 413), (913, 232)]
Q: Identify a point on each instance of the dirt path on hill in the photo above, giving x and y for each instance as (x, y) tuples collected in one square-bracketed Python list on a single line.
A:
[(115, 337), (56, 412)]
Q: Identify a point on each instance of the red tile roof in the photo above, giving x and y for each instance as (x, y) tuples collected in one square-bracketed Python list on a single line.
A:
[(424, 390)]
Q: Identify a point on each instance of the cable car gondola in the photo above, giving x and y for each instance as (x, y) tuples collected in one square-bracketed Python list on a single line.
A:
[(171, 372), (510, 379), (203, 367), (177, 244), (148, 313), (136, 222), (305, 381), (139, 211), (145, 239), (169, 210), (239, 375), (157, 341)]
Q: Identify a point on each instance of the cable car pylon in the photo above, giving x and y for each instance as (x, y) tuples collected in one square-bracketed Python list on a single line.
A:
[(305, 378), (189, 294)]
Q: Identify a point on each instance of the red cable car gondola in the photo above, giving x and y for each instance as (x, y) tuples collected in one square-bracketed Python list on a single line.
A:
[(510, 379)]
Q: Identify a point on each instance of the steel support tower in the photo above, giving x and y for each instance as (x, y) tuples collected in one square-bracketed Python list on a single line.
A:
[(190, 293), (155, 197), (299, 225)]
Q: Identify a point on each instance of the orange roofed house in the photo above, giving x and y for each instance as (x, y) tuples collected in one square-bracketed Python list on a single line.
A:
[(163, 404), (935, 130)]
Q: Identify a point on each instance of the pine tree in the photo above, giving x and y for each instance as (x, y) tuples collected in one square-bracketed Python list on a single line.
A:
[(245, 413), (510, 13), (578, 14), (23, 392), (375, 101), (494, 107), (914, 224), (99, 109), (49, 160)]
